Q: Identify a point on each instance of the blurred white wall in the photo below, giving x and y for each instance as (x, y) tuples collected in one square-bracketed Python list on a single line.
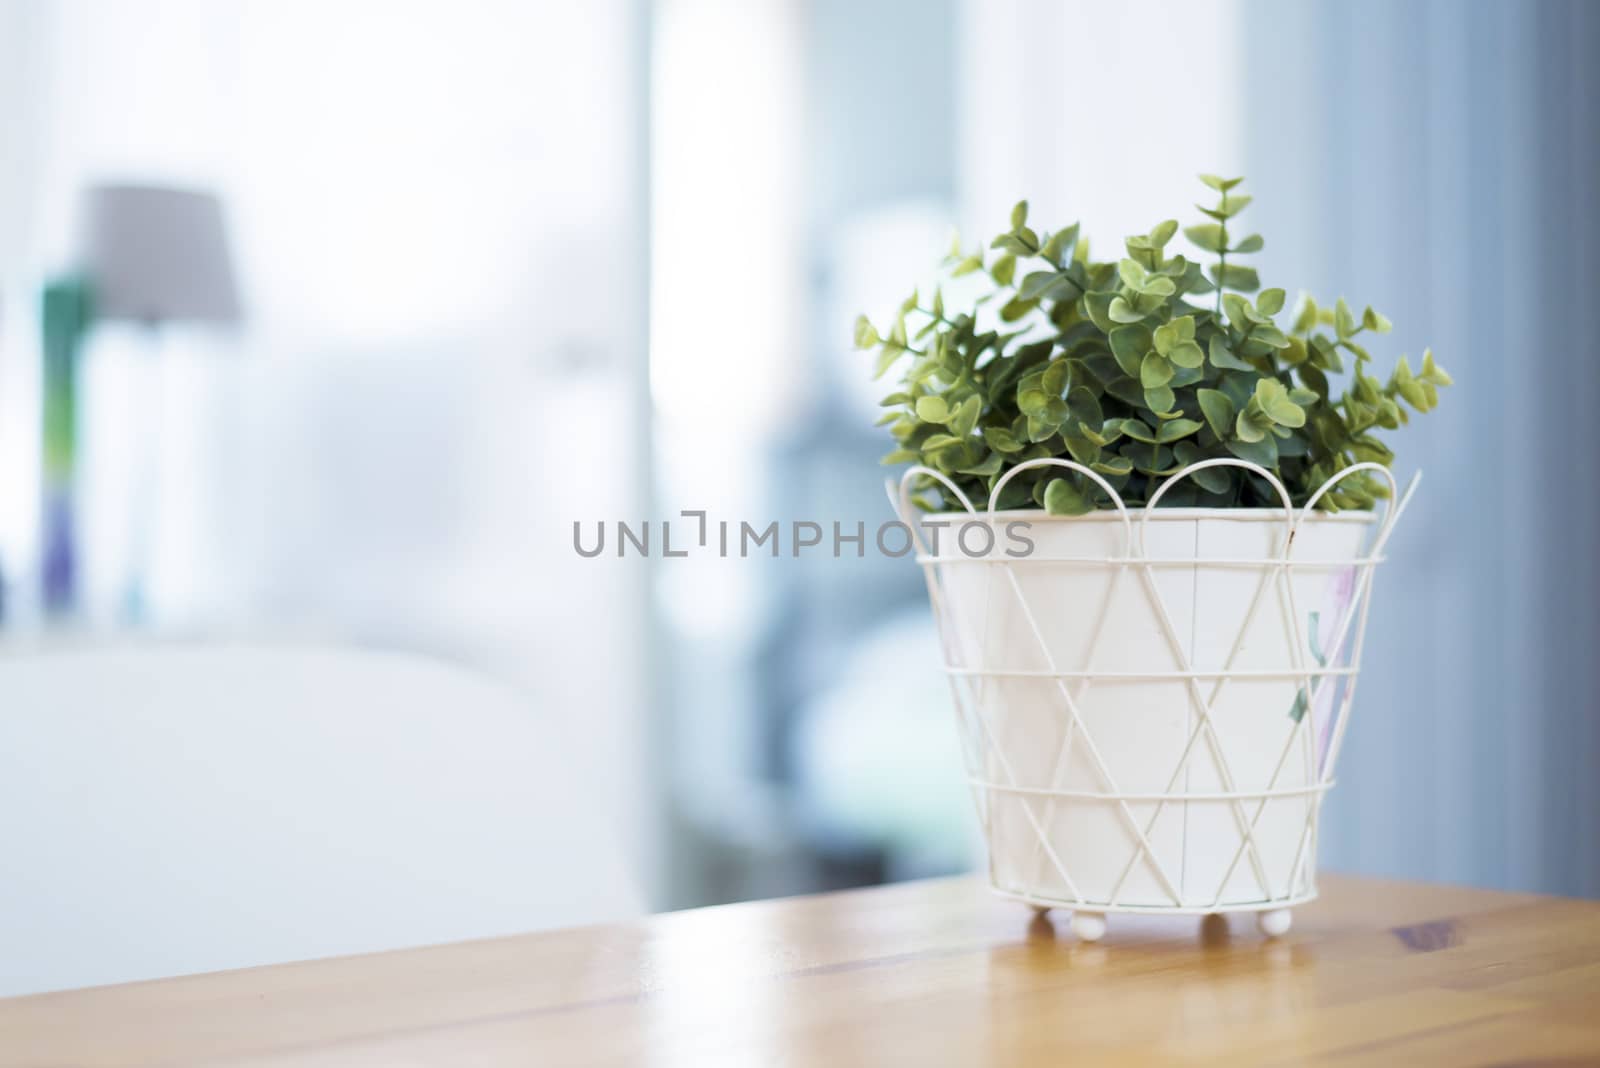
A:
[(1095, 112), (438, 211)]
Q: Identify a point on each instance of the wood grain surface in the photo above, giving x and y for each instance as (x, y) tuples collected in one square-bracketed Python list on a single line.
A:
[(931, 973)]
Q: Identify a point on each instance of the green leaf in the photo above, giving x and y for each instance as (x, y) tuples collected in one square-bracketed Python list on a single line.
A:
[(1270, 336), (1270, 301), (1305, 314), (1124, 312), (1137, 430), (1237, 204), (1084, 406), (1159, 399), (1016, 308), (1210, 479), (1194, 280), (866, 333), (1154, 371), (901, 456), (1246, 429), (932, 409), (1187, 354), (1133, 275), (1127, 390), (1113, 465), (1001, 440), (1234, 276), (1344, 324), (1004, 269), (1129, 345), (1218, 410), (990, 466), (1371, 320), (1012, 243), (1208, 236), (1223, 357), (1061, 497), (1019, 215), (1361, 354), (1240, 313), (1369, 449), (1082, 449), (1162, 232), (1221, 185), (1409, 388), (1061, 245), (1263, 452), (891, 352), (1186, 376), (1166, 336), (1369, 389), (1324, 354), (1432, 373), (1253, 243), (1099, 307), (1173, 429), (966, 416), (1042, 282), (1153, 459), (1274, 400), (1054, 378)]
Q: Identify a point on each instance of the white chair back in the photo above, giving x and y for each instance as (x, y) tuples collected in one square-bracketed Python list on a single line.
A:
[(167, 810)]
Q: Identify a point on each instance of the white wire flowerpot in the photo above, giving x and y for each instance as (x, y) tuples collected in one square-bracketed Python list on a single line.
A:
[(1151, 703)]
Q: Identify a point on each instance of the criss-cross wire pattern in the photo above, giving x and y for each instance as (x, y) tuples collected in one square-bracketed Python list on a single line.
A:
[(991, 770)]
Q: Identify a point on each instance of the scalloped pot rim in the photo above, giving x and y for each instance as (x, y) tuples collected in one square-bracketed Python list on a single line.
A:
[(1156, 515)]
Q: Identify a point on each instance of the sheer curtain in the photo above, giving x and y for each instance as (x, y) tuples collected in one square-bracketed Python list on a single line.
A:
[(1439, 161)]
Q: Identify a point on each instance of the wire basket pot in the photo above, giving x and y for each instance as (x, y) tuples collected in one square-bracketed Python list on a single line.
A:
[(1151, 704)]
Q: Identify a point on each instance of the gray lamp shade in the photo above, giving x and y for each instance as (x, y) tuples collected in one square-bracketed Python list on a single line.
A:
[(158, 255)]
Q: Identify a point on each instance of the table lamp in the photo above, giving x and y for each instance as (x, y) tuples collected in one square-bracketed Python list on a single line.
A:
[(154, 256)]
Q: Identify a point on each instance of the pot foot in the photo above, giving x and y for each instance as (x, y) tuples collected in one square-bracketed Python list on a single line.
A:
[(1274, 923), (1089, 926)]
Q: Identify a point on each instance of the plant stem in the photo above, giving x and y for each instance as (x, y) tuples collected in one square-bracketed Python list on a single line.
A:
[(1222, 255)]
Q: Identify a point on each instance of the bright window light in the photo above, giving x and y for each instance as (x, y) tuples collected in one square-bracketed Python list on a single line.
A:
[(728, 273)]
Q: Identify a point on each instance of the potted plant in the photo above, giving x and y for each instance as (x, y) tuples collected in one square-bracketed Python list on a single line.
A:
[(1153, 640)]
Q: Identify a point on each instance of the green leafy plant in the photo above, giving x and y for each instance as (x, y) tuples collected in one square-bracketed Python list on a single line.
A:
[(1137, 369)]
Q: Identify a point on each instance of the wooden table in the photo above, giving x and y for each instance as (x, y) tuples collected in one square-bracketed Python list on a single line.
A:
[(922, 974)]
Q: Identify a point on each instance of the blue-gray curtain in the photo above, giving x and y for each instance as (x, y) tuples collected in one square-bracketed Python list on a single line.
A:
[(1441, 161)]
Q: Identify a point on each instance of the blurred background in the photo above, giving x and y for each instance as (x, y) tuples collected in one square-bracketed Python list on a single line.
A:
[(322, 323)]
